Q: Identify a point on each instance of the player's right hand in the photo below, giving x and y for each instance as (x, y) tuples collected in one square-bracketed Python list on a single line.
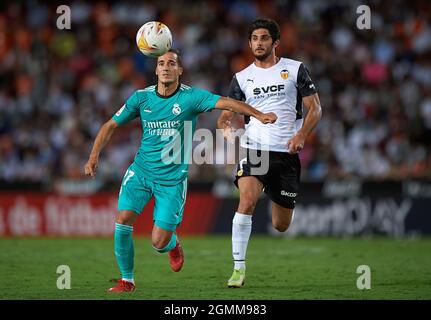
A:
[(269, 117), (90, 167)]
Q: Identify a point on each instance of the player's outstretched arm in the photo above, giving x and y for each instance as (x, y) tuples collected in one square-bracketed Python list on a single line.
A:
[(102, 138), (312, 104), (245, 109)]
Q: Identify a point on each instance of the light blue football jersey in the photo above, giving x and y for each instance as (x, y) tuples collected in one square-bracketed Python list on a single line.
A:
[(168, 124)]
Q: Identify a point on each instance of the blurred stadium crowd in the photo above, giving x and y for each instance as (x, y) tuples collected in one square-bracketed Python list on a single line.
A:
[(57, 87)]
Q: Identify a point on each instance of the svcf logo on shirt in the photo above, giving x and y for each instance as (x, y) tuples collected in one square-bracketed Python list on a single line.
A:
[(284, 74), (176, 109), (268, 89)]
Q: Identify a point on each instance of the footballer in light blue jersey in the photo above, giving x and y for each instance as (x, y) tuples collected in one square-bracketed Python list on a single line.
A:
[(168, 113), (163, 120)]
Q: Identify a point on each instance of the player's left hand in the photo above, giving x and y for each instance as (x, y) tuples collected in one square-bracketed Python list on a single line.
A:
[(269, 117), (296, 143), (90, 167)]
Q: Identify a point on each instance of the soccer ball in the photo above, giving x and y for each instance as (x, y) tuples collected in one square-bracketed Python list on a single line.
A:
[(154, 39)]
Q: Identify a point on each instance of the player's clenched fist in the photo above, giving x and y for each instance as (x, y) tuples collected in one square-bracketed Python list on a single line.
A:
[(296, 144), (90, 167), (269, 117)]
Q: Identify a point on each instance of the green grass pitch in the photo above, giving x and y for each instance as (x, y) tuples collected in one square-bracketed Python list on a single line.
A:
[(277, 268)]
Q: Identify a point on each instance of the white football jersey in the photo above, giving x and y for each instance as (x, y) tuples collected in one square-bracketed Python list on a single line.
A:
[(277, 89)]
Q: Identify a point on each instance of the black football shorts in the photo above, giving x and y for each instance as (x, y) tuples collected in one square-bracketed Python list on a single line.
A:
[(281, 181)]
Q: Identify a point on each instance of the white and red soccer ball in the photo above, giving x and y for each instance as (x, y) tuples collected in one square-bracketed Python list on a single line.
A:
[(154, 39)]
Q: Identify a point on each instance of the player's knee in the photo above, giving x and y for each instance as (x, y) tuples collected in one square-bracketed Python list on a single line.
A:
[(247, 203), (124, 220), (126, 217)]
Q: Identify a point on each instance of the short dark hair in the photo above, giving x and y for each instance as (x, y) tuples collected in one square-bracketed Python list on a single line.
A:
[(177, 52), (268, 24)]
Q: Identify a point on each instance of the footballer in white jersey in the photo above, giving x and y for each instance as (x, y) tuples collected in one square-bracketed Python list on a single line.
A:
[(279, 89), (282, 86)]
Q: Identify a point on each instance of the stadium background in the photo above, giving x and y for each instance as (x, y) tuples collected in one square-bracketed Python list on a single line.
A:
[(366, 168)]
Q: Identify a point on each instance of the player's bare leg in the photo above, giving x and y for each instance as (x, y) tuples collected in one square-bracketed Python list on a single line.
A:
[(124, 250), (167, 241), (281, 217), (249, 191), (160, 237), (126, 217)]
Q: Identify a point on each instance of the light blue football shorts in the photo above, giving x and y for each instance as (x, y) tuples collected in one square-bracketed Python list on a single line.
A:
[(136, 191)]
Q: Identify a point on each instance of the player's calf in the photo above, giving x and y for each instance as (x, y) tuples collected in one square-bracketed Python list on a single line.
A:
[(160, 244), (281, 217), (163, 240), (249, 191), (163, 247), (281, 227)]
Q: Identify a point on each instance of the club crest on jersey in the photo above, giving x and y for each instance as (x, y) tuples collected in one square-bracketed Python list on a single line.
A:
[(176, 110), (284, 74)]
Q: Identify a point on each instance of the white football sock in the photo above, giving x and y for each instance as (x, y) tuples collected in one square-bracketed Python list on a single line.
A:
[(241, 229)]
